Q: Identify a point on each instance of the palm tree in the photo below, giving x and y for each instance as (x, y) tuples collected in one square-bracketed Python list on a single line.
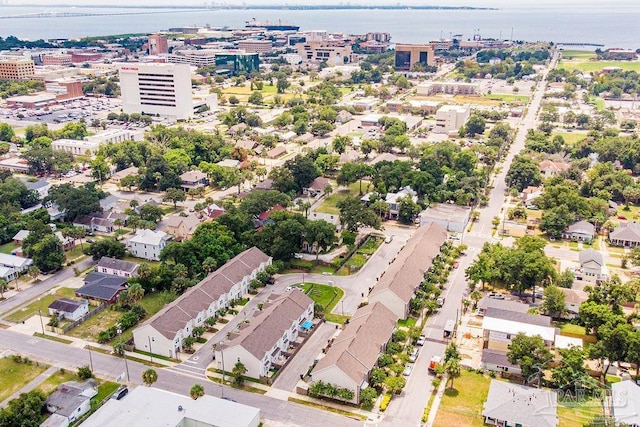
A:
[(33, 272), (452, 368), (149, 377), (238, 373), (209, 264), (136, 292), (196, 391), (3, 287)]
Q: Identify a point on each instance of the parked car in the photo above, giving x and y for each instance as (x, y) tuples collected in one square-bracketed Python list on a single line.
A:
[(456, 264), (421, 340), (496, 296), (414, 354), (407, 370), (440, 302), (121, 392)]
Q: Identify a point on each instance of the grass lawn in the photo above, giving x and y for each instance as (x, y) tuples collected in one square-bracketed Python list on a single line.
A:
[(570, 138), (89, 330), (75, 253), (152, 303), (631, 212), (570, 328), (577, 414), (104, 390), (153, 264), (570, 55), (407, 323), (7, 248), (597, 102), (589, 66), (50, 384), (507, 98), (462, 405), (325, 295), (329, 204), (14, 376), (41, 303)]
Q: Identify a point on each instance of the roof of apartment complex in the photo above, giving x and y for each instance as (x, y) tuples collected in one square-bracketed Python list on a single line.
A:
[(521, 405), (173, 317), (355, 351), (268, 326), (406, 272)]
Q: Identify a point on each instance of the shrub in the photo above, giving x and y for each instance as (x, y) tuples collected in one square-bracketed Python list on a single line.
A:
[(54, 321), (385, 402), (84, 372)]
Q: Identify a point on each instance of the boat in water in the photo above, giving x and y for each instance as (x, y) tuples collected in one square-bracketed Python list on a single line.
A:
[(272, 26)]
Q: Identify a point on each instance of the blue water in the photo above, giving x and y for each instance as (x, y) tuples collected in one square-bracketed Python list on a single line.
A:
[(612, 23)]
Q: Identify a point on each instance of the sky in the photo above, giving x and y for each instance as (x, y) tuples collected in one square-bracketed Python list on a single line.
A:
[(177, 3)]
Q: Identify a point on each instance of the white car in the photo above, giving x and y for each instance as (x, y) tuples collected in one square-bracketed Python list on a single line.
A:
[(414, 355), (407, 370), (421, 340)]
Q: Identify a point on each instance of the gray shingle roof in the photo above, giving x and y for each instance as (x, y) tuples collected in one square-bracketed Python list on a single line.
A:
[(589, 255), (627, 231), (532, 319), (66, 305), (485, 303), (518, 404), (117, 264), (496, 357), (102, 286)]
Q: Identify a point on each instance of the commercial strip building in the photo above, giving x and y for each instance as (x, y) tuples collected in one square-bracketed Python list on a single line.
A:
[(398, 283), (408, 55), (16, 68), (270, 335), (354, 353), (147, 406), (450, 217), (449, 88), (165, 331)]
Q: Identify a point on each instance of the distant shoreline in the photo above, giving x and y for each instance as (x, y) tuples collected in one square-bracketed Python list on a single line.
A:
[(262, 7)]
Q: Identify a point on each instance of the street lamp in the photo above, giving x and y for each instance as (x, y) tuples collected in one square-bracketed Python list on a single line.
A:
[(41, 323), (150, 352), (124, 353), (215, 348)]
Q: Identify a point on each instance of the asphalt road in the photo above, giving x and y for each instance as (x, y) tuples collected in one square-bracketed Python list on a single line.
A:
[(407, 409), (276, 412), (42, 287)]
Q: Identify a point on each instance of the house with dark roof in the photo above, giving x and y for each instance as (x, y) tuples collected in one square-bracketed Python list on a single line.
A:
[(496, 360), (72, 399), (354, 353), (510, 404), (65, 308), (627, 235), (399, 282), (486, 303), (168, 328), (103, 288), (116, 267), (581, 231), (266, 340)]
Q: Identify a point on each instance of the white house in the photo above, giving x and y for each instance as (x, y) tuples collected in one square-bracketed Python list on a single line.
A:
[(18, 264), (626, 403), (116, 267), (72, 399), (166, 330), (510, 404), (354, 353), (591, 265), (65, 308), (148, 244), (262, 344)]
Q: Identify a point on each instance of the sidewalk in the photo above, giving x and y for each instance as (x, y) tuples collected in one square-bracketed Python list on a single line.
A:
[(32, 385)]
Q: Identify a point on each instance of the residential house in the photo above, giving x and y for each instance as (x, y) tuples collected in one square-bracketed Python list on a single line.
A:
[(229, 163), (117, 176), (193, 179), (627, 235), (267, 338), (167, 329), (276, 152), (316, 188), (591, 265), (148, 406), (65, 308), (529, 194), (486, 303), (41, 186), (267, 184), (116, 267), (103, 222), (66, 242), (17, 264), (451, 217), (549, 168), (102, 288), (626, 403), (148, 244), (247, 144), (581, 231), (500, 326), (343, 116), (180, 227), (262, 218), (510, 404), (212, 212), (497, 361), (354, 353), (72, 399), (396, 287), (393, 200), (572, 300), (109, 202)]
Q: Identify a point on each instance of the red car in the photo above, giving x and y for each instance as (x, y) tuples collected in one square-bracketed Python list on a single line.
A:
[(455, 264), (622, 217)]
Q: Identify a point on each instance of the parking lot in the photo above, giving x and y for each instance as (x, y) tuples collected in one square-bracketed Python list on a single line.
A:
[(87, 109)]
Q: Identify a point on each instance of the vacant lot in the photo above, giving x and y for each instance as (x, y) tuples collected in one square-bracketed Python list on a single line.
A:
[(330, 203), (462, 405), (14, 376)]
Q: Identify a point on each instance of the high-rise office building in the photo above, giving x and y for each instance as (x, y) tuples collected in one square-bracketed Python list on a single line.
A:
[(157, 89), (158, 44), (408, 55)]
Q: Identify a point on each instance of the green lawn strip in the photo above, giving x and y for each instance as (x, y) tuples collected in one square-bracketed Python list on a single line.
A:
[(329, 204), (156, 356), (571, 55), (407, 323), (52, 338), (243, 387), (589, 66), (578, 414), (132, 358), (14, 376), (60, 376), (570, 328), (41, 303), (463, 404), (327, 408), (336, 318), (152, 303), (7, 248), (105, 390), (507, 98), (570, 138)]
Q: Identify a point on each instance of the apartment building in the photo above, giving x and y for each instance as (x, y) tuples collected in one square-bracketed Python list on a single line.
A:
[(256, 46), (62, 59), (163, 89), (157, 44), (16, 68), (449, 88)]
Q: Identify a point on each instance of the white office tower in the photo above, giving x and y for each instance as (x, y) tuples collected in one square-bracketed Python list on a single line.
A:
[(157, 89)]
